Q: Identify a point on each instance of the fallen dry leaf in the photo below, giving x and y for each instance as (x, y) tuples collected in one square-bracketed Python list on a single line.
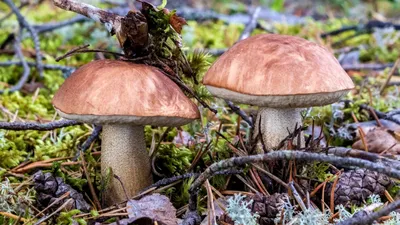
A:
[(151, 208), (379, 140), (177, 23)]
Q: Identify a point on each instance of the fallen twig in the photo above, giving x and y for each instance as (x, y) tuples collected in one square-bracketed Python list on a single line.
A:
[(41, 220), (366, 66), (35, 38), (366, 27), (394, 68), (370, 218), (251, 25), (111, 20), (297, 196), (373, 157), (25, 75), (240, 112), (67, 70), (40, 164), (38, 126), (91, 188), (92, 138)]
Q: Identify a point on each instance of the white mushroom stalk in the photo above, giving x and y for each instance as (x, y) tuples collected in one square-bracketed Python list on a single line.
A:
[(123, 150), (274, 124)]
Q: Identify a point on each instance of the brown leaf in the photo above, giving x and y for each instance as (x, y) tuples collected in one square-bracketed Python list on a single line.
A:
[(148, 209), (155, 207), (379, 140), (177, 22)]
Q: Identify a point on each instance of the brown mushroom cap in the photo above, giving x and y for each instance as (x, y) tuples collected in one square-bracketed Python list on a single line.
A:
[(278, 71), (111, 91)]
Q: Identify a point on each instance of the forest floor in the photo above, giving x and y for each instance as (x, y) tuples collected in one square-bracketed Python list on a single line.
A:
[(347, 173)]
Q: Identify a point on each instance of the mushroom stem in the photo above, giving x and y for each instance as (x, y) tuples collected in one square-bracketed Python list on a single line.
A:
[(124, 151), (273, 125)]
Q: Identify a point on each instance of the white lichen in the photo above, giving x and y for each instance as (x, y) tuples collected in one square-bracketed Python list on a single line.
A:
[(238, 210)]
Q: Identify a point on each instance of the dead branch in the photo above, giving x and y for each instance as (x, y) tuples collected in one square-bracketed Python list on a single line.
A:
[(394, 68), (388, 160), (362, 27), (251, 25), (280, 155), (111, 20), (35, 38), (92, 138), (367, 66), (370, 218), (67, 70), (25, 75), (240, 112), (38, 126)]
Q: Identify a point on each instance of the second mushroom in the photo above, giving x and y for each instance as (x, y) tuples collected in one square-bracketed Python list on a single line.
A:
[(280, 74)]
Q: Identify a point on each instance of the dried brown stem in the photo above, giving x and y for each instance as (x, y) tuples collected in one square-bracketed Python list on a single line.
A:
[(394, 68)]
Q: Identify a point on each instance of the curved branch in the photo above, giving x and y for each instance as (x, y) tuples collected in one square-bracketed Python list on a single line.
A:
[(370, 218), (34, 35), (38, 126), (111, 20), (27, 70)]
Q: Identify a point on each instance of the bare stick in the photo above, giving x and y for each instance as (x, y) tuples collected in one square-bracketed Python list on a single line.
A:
[(24, 24), (297, 196), (91, 188), (32, 64), (38, 126), (370, 218), (394, 68), (240, 112), (111, 21), (41, 220), (72, 51), (27, 70), (251, 25), (92, 138)]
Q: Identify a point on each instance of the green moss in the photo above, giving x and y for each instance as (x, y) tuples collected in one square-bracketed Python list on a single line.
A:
[(175, 160)]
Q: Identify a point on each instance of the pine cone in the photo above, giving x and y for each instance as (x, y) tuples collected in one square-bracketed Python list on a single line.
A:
[(267, 207), (355, 186), (49, 189)]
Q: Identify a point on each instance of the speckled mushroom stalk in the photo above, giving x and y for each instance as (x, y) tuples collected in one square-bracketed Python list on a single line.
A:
[(123, 149), (273, 125), (123, 97)]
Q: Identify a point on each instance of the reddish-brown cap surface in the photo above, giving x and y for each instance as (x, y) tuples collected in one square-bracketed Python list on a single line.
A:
[(111, 91), (278, 71)]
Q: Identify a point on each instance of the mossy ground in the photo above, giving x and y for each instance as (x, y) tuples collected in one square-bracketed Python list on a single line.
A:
[(17, 147)]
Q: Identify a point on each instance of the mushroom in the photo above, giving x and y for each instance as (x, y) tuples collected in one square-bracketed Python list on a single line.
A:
[(123, 97), (280, 74)]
